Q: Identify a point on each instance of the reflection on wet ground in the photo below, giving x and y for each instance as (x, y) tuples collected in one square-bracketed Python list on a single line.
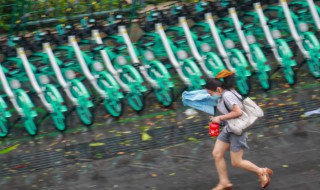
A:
[(144, 150)]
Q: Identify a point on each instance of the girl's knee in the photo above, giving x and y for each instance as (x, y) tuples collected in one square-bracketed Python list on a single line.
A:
[(236, 162), (217, 154)]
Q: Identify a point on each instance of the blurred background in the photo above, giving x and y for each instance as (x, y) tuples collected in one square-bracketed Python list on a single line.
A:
[(130, 127)]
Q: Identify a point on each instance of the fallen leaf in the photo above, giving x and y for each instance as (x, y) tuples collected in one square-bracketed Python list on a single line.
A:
[(20, 166), (96, 144), (190, 117), (146, 137), (9, 149), (192, 139)]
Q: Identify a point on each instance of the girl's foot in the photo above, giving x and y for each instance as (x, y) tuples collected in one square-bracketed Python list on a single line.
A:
[(264, 177), (223, 187)]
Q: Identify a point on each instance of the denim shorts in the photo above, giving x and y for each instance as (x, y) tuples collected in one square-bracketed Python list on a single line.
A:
[(237, 142)]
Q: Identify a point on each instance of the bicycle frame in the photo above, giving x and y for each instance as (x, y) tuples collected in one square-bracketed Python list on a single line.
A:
[(73, 87), (186, 69), (233, 58), (48, 93), (306, 41), (20, 101), (127, 76), (33, 80), (279, 47), (314, 11), (205, 60), (153, 71), (4, 114), (103, 82)]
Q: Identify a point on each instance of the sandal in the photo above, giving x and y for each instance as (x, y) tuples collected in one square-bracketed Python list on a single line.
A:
[(265, 177)]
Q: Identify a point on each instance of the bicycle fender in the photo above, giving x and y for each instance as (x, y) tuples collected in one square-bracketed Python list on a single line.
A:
[(3, 108), (57, 95), (284, 48), (27, 101), (216, 59), (193, 66), (258, 53), (313, 39), (108, 77), (237, 53), (203, 25), (163, 70), (175, 29), (134, 72), (83, 90)]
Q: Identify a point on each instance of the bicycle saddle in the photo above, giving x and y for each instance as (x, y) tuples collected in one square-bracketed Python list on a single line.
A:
[(40, 66), (273, 21), (202, 35), (248, 25), (146, 43), (67, 62), (298, 8), (97, 47), (120, 47), (13, 71), (179, 39), (227, 30)]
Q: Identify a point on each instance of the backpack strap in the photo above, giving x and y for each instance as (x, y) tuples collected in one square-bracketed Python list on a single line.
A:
[(225, 105), (240, 99)]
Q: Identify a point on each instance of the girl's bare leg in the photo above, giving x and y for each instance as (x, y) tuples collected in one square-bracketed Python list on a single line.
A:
[(263, 173), (237, 161), (218, 154)]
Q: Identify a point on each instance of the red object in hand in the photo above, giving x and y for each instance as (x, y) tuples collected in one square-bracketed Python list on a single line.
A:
[(214, 129)]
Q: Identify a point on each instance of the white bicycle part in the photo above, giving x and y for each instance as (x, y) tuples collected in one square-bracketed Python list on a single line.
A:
[(218, 41), (92, 79), (47, 49), (32, 78), (170, 53)]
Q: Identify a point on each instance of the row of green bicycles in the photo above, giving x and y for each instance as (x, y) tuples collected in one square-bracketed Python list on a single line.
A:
[(65, 66)]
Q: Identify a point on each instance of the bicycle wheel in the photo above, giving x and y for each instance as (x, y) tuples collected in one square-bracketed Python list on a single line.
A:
[(289, 75), (59, 121), (164, 96), (264, 80), (113, 104), (83, 110), (52, 95), (243, 85), (136, 101), (27, 109), (30, 126), (114, 107), (4, 126), (314, 66), (85, 115)]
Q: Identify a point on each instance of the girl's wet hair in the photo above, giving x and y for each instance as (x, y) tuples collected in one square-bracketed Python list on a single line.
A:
[(225, 80)]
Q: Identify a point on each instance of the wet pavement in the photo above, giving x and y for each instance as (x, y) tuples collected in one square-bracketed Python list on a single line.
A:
[(162, 148)]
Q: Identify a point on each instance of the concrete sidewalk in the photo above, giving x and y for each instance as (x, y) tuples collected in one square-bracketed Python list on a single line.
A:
[(113, 155), (292, 151)]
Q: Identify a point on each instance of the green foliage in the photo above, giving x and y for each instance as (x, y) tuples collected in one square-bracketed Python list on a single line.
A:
[(12, 10)]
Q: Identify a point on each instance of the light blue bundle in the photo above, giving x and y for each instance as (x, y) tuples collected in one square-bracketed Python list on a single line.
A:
[(200, 100)]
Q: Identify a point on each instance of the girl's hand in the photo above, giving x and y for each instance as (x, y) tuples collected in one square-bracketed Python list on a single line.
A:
[(215, 119)]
